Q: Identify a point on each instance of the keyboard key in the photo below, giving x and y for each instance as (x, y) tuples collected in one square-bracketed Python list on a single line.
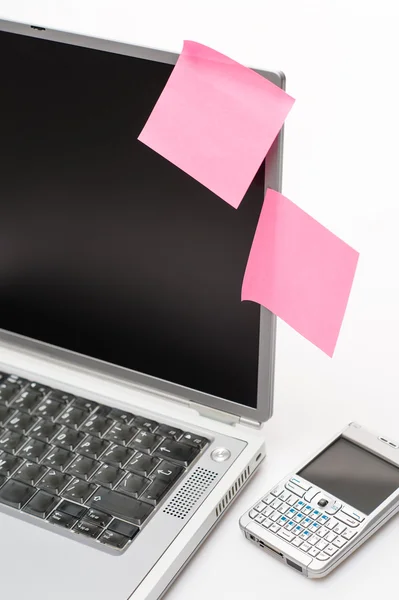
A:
[(38, 388), (121, 506), (97, 425), (180, 453), (313, 540), (69, 438), (62, 519), (98, 517), (123, 528), (21, 422), (83, 467), (330, 537), (259, 507), (117, 455), (290, 525), (322, 531), (339, 542), (297, 542), (277, 503), (103, 411), (348, 534), (88, 528), (275, 516), (322, 556), (80, 491), (72, 509), (331, 550), (49, 409), (142, 464), (331, 523), (45, 430), (274, 528), (144, 423), (60, 396), (8, 464), (84, 404), (54, 481), (169, 432), (7, 392), (34, 450), (305, 546), (122, 416), (27, 401), (30, 473), (168, 472), (108, 476), (114, 539), (92, 447), (133, 485), (321, 544), (352, 513), (12, 441), (347, 520), (305, 534), (59, 458), (146, 442), (313, 552), (260, 518), (42, 504), (295, 488), (194, 440), (73, 417), (267, 523), (121, 433), (283, 508), (16, 494), (339, 528), (155, 492)]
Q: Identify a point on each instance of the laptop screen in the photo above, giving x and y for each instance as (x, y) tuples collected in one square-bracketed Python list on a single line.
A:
[(107, 249)]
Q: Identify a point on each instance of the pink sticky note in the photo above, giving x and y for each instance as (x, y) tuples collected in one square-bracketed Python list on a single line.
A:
[(216, 120), (300, 271)]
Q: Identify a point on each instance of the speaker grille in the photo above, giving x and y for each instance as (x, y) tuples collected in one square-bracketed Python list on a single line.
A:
[(189, 494), (233, 491)]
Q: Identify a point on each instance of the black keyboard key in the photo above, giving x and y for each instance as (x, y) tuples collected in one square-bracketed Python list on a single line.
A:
[(27, 401), (180, 453), (169, 432), (73, 417), (8, 391), (144, 423), (133, 485), (21, 422), (12, 441), (110, 538), (123, 528), (74, 510), (98, 517), (34, 450), (50, 409), (59, 458), (5, 414), (42, 504), (121, 433), (30, 472), (61, 396), (15, 380), (167, 472), (97, 424), (2, 480), (142, 464), (9, 463), (88, 528), (155, 492), (146, 442), (108, 476), (80, 491), (84, 404), (39, 388), (83, 467), (16, 494), (103, 411), (54, 481), (122, 416), (121, 506), (93, 447), (69, 438), (117, 455), (45, 430), (62, 519), (194, 440)]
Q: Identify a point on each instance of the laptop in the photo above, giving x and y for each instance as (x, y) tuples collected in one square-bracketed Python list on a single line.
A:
[(132, 377)]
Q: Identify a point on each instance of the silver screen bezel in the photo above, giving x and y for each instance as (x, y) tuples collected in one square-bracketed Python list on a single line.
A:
[(267, 325)]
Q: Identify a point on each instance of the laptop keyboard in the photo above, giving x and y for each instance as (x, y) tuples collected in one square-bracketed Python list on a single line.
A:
[(96, 470)]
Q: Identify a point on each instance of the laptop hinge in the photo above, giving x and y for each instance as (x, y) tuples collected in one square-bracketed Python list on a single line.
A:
[(224, 417)]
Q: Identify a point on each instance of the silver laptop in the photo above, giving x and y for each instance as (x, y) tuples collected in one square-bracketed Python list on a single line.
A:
[(132, 377)]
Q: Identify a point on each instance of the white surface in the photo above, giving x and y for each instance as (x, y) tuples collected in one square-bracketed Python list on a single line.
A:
[(341, 157)]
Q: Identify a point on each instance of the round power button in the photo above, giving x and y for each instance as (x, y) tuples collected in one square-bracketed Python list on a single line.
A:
[(220, 454)]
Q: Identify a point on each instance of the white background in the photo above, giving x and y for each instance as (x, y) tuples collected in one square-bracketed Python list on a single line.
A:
[(341, 155)]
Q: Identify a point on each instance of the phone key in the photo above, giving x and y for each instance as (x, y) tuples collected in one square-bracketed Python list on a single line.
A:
[(269, 499), (338, 529), (322, 556), (267, 523), (351, 513), (297, 542), (276, 503), (330, 537), (305, 534), (313, 552), (291, 500), (283, 508), (286, 535), (298, 530), (339, 542), (331, 510), (298, 517), (277, 491), (314, 526), (307, 509), (330, 550), (323, 519), (282, 521), (260, 518), (299, 505), (322, 531), (290, 525), (275, 528), (321, 545), (295, 488), (315, 515), (291, 512), (267, 511), (313, 540), (284, 495), (306, 522), (275, 516), (260, 507), (310, 494), (305, 546), (301, 482), (348, 534), (347, 520), (331, 523), (253, 514)]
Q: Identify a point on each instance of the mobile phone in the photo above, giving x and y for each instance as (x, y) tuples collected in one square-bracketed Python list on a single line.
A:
[(318, 515)]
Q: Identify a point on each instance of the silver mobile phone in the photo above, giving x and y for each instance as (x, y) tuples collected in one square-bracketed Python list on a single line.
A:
[(316, 517)]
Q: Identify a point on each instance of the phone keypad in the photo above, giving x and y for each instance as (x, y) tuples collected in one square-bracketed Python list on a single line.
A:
[(290, 514)]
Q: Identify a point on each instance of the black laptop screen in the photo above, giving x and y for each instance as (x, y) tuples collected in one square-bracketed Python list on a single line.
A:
[(106, 248)]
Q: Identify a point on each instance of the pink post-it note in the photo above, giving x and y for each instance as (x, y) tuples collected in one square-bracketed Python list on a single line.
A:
[(300, 271), (216, 120)]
